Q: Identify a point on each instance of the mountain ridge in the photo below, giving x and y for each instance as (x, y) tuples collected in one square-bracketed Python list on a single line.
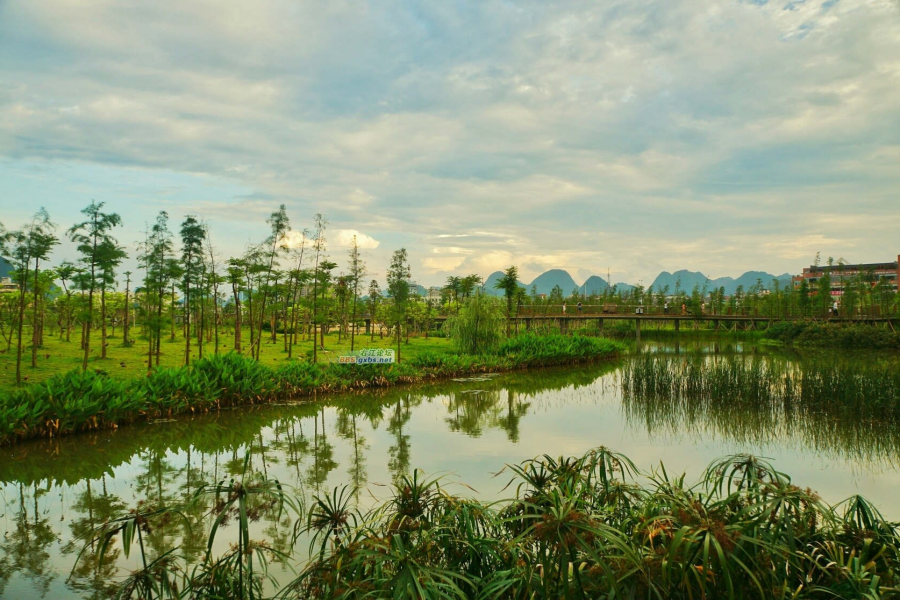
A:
[(595, 284)]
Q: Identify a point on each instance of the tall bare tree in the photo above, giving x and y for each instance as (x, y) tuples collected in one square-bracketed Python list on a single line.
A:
[(357, 272)]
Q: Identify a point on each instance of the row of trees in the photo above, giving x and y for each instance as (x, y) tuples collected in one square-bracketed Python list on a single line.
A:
[(286, 284)]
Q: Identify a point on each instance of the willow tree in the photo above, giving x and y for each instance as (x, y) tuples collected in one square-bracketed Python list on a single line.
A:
[(478, 328)]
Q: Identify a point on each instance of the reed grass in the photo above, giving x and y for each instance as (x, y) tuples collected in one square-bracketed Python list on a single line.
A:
[(851, 407)]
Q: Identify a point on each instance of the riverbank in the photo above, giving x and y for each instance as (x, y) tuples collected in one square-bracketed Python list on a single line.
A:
[(83, 401), (844, 336)]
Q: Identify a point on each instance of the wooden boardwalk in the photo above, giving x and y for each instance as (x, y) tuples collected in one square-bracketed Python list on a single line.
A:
[(730, 321)]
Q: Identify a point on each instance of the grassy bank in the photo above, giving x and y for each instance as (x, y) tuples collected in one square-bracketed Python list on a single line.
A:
[(576, 527), (58, 356), (847, 336), (80, 401)]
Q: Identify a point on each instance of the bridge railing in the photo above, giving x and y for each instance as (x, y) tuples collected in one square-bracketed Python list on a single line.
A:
[(631, 309)]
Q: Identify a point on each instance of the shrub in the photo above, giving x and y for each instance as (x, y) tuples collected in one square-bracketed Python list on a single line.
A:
[(834, 335), (593, 526)]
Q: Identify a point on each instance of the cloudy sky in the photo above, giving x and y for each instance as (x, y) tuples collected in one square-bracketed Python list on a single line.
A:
[(634, 135)]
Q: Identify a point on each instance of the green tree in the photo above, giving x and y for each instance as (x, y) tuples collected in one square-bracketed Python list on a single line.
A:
[(357, 272), (454, 287), (66, 271), (398, 287), (215, 279), (373, 301), (109, 256), (320, 224), (31, 244), (279, 225), (154, 259), (192, 237), (89, 235), (509, 283)]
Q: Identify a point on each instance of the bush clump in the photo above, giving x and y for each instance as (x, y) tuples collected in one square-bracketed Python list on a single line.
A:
[(846, 336), (593, 526)]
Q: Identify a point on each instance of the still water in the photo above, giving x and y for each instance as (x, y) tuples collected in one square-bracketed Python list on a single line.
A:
[(53, 492)]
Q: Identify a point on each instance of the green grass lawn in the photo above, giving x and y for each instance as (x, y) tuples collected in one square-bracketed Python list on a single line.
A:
[(58, 356)]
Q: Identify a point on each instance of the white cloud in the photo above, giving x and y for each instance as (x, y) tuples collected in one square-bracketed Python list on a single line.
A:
[(343, 238), (562, 135)]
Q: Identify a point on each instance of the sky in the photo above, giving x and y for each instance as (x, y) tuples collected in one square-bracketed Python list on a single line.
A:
[(632, 136)]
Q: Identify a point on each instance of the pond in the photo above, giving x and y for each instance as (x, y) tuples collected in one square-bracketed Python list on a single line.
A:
[(53, 492)]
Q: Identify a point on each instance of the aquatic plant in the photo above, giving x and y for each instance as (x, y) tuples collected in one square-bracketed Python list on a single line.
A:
[(576, 527), (847, 407)]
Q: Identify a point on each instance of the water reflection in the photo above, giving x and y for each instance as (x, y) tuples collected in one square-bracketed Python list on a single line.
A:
[(56, 491)]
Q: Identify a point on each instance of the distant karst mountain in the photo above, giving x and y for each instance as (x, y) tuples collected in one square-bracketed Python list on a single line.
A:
[(545, 282), (594, 285), (688, 279), (598, 285), (490, 284)]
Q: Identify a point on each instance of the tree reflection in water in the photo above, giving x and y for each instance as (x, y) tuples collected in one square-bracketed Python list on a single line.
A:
[(340, 440)]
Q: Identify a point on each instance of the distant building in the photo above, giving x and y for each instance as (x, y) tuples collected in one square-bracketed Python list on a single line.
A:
[(6, 268), (7, 286), (843, 274), (435, 293)]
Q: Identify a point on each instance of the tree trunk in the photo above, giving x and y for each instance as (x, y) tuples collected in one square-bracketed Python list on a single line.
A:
[(35, 326), (237, 318), (19, 326), (187, 325), (200, 328), (103, 321), (125, 339)]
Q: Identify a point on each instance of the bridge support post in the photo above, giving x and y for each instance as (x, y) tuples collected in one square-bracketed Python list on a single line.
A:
[(368, 326), (599, 324), (637, 330), (527, 324), (716, 324), (677, 326)]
